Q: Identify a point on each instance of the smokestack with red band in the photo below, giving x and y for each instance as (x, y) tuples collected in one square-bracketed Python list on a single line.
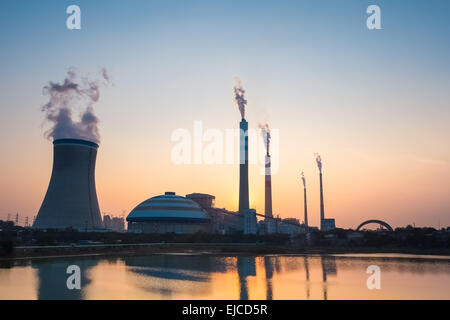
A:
[(71, 198), (268, 189), (265, 133)]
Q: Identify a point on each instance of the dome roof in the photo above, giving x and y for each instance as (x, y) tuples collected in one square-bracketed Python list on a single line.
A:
[(168, 207)]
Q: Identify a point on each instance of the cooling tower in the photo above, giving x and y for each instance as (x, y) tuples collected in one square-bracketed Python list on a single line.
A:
[(71, 198), (322, 211), (268, 189), (243, 168)]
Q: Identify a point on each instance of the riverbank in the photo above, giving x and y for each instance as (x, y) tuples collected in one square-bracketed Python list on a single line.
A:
[(200, 248)]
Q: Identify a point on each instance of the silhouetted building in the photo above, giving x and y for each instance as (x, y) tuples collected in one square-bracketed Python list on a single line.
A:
[(328, 225), (205, 201), (116, 224), (250, 222), (222, 221)]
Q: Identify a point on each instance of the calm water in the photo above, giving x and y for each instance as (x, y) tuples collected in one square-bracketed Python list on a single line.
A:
[(180, 276)]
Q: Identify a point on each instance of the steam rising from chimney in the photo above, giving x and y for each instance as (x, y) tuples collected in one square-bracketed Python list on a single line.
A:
[(303, 179), (239, 97), (71, 94), (319, 161), (322, 210), (265, 132)]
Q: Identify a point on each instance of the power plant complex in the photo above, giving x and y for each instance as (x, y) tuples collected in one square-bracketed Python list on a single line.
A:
[(71, 198)]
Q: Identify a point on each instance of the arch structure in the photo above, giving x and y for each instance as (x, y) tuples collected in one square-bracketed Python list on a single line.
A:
[(384, 224)]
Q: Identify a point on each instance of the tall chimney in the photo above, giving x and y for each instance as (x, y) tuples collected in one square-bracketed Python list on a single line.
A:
[(304, 196), (322, 211), (306, 206), (71, 198), (243, 168), (268, 188)]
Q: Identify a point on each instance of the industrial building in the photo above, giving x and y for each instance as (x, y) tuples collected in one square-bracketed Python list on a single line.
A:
[(222, 220), (168, 213), (328, 224), (116, 224), (171, 213)]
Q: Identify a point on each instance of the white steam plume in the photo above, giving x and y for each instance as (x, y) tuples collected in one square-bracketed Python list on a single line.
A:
[(319, 161), (239, 97), (73, 93), (265, 133)]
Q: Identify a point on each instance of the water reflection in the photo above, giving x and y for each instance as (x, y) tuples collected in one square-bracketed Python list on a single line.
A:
[(328, 268), (172, 276), (307, 286), (269, 268), (52, 275), (246, 266)]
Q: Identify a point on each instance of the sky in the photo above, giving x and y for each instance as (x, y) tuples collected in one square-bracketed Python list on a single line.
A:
[(373, 103)]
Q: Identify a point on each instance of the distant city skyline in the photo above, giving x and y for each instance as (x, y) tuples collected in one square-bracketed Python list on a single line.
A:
[(373, 103)]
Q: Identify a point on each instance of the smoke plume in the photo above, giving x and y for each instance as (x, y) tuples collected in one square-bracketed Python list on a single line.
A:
[(239, 97), (265, 133), (73, 94), (303, 179), (319, 162)]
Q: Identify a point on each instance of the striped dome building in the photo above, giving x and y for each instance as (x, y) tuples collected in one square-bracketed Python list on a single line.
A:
[(168, 213)]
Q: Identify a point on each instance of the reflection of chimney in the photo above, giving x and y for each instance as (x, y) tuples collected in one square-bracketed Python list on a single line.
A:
[(268, 266), (307, 277), (71, 198), (322, 211), (245, 267), (243, 168), (268, 189)]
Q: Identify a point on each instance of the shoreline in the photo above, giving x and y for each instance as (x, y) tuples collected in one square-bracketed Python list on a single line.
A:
[(52, 252)]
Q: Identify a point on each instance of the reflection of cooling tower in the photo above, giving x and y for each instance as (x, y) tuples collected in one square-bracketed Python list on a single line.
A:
[(71, 199), (268, 189), (243, 168)]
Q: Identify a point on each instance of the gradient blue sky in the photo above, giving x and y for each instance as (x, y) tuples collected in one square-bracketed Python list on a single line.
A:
[(375, 104)]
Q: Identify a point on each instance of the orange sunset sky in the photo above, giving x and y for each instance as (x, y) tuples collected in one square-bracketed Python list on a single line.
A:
[(374, 104)]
